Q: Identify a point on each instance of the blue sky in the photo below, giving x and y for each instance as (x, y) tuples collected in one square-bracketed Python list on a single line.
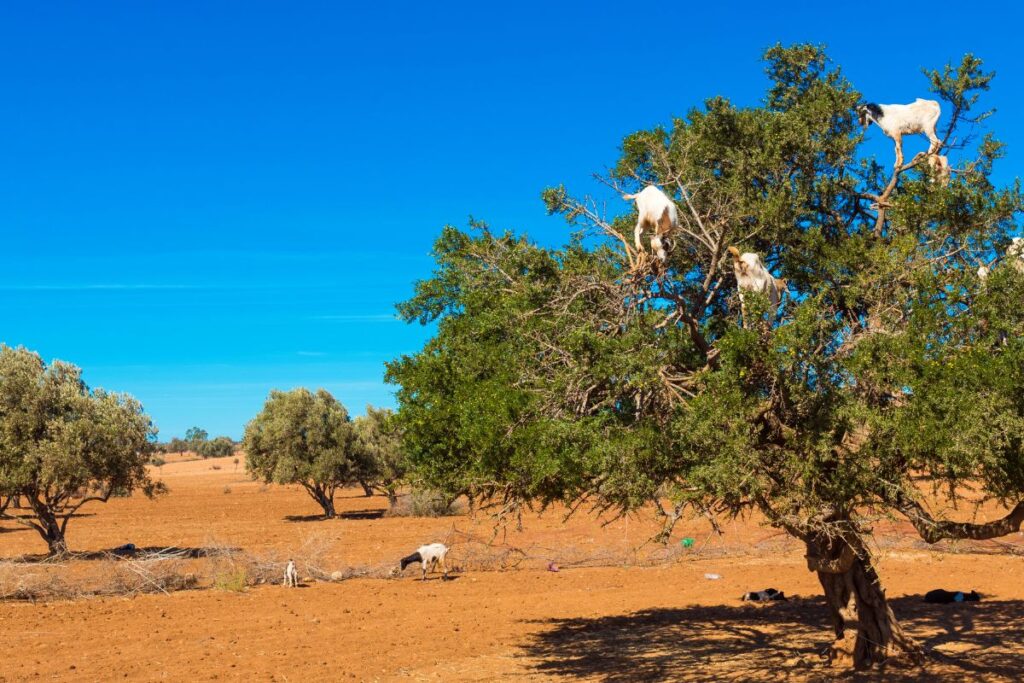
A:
[(202, 201)]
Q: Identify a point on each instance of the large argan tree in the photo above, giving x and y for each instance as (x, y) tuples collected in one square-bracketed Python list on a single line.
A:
[(305, 438), (63, 445), (891, 382)]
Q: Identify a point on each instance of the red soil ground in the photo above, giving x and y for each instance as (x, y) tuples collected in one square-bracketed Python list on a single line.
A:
[(633, 619)]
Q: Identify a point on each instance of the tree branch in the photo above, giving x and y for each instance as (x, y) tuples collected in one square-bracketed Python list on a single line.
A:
[(933, 530)]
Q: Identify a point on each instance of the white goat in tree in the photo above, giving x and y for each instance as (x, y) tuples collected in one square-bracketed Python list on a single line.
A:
[(940, 168), (1014, 252), (752, 276), (654, 209), (897, 120)]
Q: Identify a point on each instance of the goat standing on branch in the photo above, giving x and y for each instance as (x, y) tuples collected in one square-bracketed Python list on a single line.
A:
[(752, 276), (656, 210), (429, 556), (897, 120)]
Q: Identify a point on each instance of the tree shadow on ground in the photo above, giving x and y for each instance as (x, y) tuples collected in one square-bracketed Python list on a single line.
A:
[(780, 641), (374, 513), (137, 553)]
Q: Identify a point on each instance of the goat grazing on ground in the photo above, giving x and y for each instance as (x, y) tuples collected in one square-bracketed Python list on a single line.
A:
[(291, 576), (940, 168), (897, 120), (752, 276), (429, 556), (656, 210)]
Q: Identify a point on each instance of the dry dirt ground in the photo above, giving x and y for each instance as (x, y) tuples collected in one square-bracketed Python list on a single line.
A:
[(617, 610)]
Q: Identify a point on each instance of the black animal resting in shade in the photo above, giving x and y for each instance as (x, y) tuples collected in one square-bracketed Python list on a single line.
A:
[(944, 597), (764, 596)]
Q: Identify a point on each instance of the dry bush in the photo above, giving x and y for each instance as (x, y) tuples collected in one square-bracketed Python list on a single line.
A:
[(425, 503)]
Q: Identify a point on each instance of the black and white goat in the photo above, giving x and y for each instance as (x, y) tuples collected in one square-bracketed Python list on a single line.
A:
[(428, 556), (767, 595), (897, 120), (654, 209)]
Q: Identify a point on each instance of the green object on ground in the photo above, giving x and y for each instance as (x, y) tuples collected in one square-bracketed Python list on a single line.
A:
[(687, 542)]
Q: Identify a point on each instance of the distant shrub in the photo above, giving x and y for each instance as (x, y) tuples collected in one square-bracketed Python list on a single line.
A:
[(216, 448), (157, 461)]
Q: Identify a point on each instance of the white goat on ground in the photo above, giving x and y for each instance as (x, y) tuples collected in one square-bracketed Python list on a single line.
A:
[(429, 556), (291, 575), (659, 212), (752, 276), (897, 120)]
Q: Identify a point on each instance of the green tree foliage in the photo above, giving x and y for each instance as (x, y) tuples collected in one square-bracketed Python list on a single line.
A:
[(63, 445), (383, 463), (891, 384), (196, 437), (304, 438), (217, 448), (176, 445)]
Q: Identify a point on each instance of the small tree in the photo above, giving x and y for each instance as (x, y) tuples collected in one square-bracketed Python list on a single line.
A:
[(177, 445), (382, 461), (217, 448), (63, 445), (196, 437), (304, 438)]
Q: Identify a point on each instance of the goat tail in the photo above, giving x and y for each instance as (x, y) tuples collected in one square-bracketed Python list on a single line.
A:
[(411, 559)]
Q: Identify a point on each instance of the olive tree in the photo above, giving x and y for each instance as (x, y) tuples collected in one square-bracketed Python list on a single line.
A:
[(383, 465), (217, 447), (63, 445), (891, 383), (306, 438)]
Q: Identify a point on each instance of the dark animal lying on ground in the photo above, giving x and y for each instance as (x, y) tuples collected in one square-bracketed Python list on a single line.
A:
[(126, 549), (943, 596), (764, 596)]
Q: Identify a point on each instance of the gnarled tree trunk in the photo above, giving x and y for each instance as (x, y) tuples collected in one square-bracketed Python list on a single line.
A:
[(867, 632)]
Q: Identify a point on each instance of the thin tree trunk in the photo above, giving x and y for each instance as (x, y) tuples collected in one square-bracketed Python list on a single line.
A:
[(51, 532), (867, 632), (366, 488)]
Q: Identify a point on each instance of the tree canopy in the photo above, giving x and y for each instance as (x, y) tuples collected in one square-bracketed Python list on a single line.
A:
[(306, 438), (893, 376), (383, 462), (63, 445)]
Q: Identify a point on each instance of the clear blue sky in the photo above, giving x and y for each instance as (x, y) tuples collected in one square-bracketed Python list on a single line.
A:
[(201, 201)]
